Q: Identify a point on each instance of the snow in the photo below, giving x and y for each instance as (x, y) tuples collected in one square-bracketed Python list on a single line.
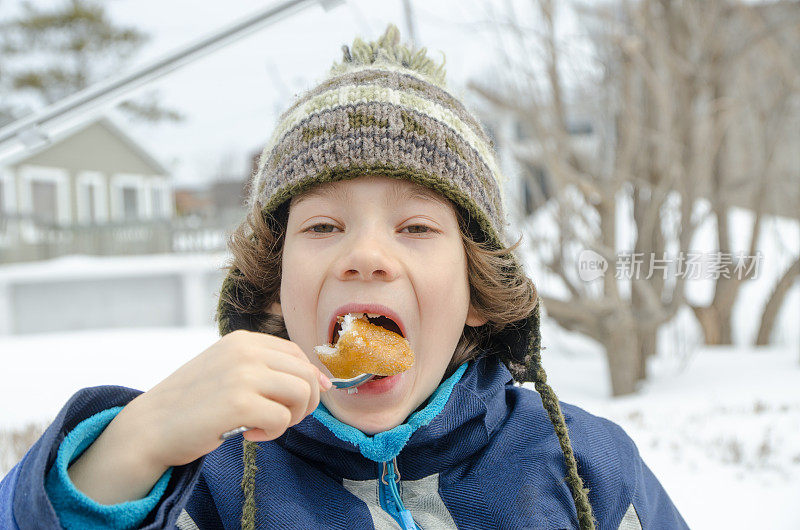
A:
[(718, 426), (41, 372), (79, 267)]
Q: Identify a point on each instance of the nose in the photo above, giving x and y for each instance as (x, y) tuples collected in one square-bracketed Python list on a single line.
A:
[(368, 256)]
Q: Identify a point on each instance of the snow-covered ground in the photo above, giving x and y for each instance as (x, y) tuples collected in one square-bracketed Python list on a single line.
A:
[(41, 372), (719, 427)]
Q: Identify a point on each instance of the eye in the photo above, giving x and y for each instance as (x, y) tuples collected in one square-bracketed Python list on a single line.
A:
[(320, 228), (418, 229)]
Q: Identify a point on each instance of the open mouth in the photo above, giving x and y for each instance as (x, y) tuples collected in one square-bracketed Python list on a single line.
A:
[(376, 319), (366, 338)]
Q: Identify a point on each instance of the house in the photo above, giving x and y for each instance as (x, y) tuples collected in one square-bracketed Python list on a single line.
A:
[(191, 201), (224, 198), (93, 174)]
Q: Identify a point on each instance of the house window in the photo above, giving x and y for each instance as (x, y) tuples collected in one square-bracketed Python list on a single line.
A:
[(45, 194), (579, 127), (44, 201), (129, 197), (130, 203), (536, 187), (520, 131)]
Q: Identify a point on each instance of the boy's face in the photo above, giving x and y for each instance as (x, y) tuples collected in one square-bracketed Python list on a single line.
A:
[(377, 245)]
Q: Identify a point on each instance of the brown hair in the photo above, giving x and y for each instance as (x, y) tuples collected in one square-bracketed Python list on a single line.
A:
[(499, 291)]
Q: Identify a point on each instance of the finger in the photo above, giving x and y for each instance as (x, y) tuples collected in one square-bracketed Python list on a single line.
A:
[(261, 342), (325, 382), (264, 340), (298, 394), (256, 435), (300, 368), (319, 382), (258, 376), (269, 419)]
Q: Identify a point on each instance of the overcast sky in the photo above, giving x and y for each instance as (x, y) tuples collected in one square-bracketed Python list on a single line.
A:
[(231, 98)]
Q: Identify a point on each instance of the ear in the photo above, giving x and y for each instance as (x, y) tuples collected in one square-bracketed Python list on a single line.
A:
[(474, 319), (275, 309)]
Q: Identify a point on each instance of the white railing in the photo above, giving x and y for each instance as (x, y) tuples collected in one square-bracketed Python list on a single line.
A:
[(25, 238)]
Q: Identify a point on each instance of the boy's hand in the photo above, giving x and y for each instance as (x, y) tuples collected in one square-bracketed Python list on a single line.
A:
[(245, 378)]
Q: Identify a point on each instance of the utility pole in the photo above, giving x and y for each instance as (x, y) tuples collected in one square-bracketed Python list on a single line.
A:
[(410, 22)]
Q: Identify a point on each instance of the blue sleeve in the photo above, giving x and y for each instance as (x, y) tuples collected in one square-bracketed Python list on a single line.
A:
[(7, 497), (622, 489), (652, 507), (74, 509), (24, 500), (652, 504), (637, 496)]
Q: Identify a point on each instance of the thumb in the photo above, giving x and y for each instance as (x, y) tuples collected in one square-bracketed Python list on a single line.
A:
[(325, 383)]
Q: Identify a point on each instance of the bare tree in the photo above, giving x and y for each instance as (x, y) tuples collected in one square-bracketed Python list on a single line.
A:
[(775, 301), (662, 119), (754, 72)]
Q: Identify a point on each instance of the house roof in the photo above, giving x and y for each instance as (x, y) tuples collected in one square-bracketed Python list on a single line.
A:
[(61, 138)]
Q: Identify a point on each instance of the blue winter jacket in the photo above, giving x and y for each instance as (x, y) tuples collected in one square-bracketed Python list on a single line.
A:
[(481, 453)]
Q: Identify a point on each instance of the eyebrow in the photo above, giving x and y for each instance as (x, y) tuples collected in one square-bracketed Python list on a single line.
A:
[(397, 194), (400, 193)]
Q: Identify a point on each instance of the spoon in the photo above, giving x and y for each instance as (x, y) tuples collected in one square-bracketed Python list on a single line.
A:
[(350, 384)]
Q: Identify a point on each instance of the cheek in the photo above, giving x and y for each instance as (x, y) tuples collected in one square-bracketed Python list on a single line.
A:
[(444, 295), (454, 276), (297, 288)]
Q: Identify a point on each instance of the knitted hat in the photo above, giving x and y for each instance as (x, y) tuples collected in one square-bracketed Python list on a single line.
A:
[(386, 110)]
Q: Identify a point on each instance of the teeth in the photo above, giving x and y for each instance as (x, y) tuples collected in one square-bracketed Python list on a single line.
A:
[(346, 321), (362, 315)]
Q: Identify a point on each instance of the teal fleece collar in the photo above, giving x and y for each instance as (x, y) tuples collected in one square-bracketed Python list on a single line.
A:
[(385, 446)]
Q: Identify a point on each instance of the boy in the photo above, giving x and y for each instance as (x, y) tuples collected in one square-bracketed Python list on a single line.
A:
[(378, 194)]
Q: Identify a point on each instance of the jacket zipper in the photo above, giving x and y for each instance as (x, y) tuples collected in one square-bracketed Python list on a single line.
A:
[(389, 496)]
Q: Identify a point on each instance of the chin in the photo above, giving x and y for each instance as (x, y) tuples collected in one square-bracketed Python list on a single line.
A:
[(370, 422)]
